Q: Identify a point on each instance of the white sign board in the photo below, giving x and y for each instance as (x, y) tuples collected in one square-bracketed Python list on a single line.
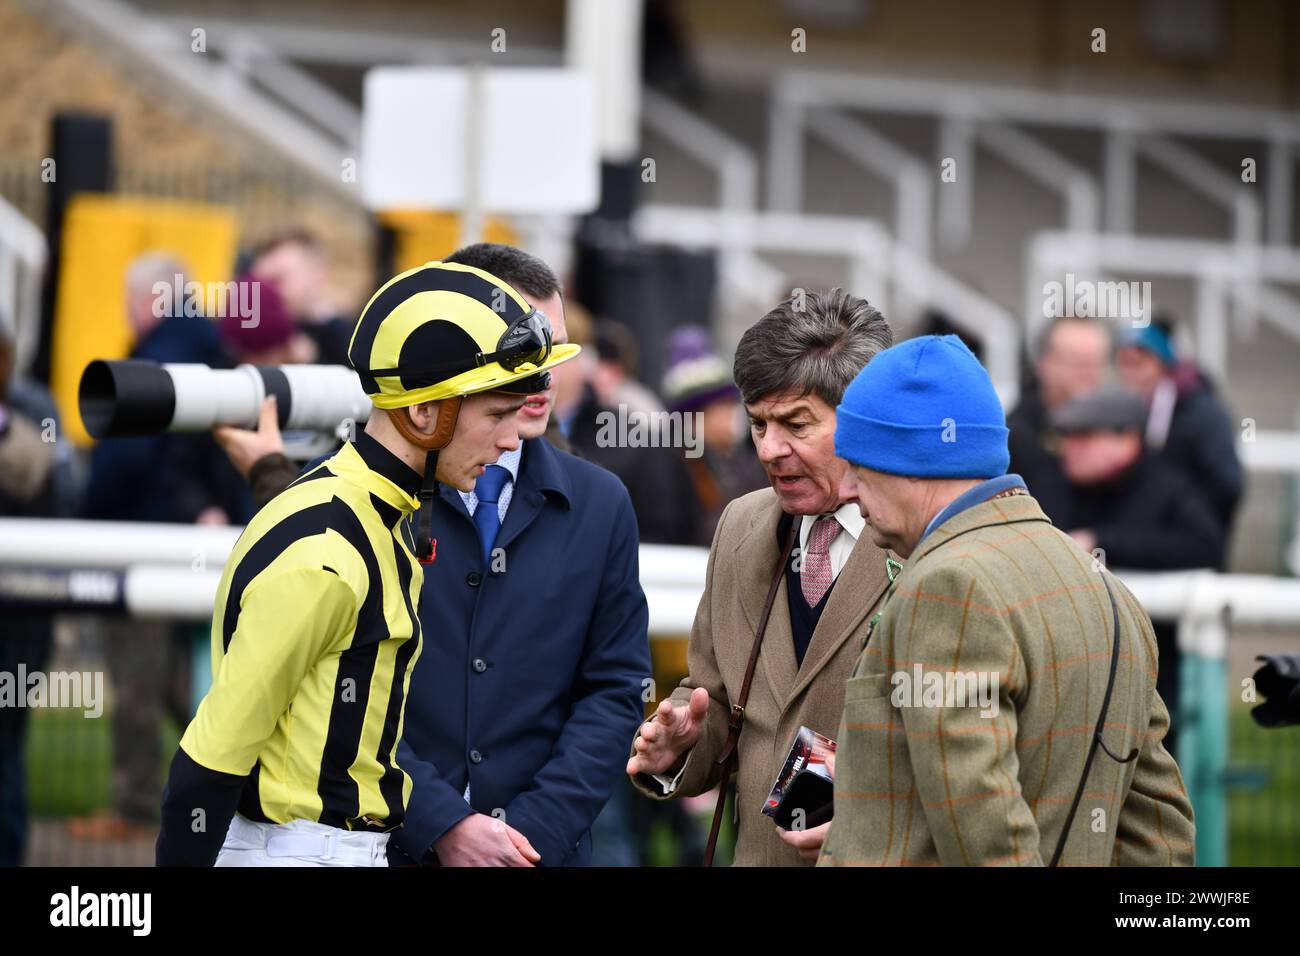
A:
[(529, 133)]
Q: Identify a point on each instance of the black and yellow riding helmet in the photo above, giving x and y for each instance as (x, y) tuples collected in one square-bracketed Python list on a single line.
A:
[(440, 332), (445, 330)]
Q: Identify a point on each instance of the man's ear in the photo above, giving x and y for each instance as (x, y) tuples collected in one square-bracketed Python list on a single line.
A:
[(424, 416)]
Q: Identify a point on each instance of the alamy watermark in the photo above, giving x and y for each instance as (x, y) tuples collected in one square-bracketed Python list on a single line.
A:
[(78, 689), (133, 911), (198, 299), (921, 688), (1089, 299), (641, 429)]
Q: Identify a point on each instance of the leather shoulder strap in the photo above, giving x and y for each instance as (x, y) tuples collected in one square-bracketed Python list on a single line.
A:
[(736, 722), (1097, 731)]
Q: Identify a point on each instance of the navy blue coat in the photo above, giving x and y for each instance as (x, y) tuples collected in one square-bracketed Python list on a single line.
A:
[(528, 686)]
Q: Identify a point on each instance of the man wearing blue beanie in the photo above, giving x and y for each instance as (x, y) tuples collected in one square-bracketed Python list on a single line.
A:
[(968, 728)]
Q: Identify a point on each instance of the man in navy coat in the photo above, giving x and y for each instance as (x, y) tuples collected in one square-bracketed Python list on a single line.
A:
[(517, 722)]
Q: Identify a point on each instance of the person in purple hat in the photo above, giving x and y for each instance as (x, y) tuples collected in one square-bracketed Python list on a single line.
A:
[(257, 328), (698, 382)]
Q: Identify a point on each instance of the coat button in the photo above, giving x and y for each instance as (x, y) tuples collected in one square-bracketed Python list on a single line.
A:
[(475, 757), (480, 665), (473, 579)]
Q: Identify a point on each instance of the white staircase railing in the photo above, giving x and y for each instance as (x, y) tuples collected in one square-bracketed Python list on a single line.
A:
[(880, 268), (970, 114), (220, 85)]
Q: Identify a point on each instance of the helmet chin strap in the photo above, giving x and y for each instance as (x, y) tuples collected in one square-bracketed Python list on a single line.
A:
[(443, 429)]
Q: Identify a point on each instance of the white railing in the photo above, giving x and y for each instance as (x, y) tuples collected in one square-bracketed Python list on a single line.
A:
[(1077, 187), (967, 114), (898, 94), (734, 164), (913, 177), (172, 571), (879, 268), (186, 560), (1131, 124), (220, 85), (895, 274), (1206, 606), (870, 150), (360, 46), (252, 59), (749, 283), (1218, 268)]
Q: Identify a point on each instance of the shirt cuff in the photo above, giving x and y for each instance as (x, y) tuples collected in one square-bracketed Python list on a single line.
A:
[(671, 783)]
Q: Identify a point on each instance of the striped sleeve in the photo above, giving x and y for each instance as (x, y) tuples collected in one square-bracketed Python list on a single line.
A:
[(287, 621)]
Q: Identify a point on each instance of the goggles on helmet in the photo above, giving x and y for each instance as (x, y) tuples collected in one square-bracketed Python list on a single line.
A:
[(527, 341)]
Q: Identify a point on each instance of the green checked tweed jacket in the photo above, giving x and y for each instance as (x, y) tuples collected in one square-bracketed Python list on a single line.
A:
[(996, 590)]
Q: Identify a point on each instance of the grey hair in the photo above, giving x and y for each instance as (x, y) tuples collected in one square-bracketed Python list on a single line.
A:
[(812, 342), (150, 268), (1043, 343)]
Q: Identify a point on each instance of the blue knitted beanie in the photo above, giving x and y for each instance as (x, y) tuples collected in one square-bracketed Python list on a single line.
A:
[(925, 408), (1155, 340)]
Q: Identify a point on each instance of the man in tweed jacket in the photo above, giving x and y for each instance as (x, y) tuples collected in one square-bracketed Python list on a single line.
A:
[(969, 715)]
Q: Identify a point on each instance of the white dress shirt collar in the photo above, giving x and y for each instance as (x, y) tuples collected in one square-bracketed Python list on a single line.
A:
[(851, 520)]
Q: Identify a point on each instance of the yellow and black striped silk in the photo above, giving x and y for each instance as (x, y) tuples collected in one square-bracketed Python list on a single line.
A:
[(419, 318), (314, 635)]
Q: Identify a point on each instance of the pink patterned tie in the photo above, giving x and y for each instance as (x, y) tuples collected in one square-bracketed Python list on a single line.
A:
[(815, 579)]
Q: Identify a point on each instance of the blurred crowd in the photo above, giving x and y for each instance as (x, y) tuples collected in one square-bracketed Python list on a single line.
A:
[(1129, 449)]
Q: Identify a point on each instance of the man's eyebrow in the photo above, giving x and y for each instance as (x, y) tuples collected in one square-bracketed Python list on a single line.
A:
[(802, 409)]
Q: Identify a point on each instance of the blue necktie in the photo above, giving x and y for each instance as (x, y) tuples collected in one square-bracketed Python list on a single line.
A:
[(488, 489)]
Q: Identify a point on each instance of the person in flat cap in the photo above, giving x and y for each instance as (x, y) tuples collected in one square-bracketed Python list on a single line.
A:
[(968, 729), (1140, 510), (1132, 509)]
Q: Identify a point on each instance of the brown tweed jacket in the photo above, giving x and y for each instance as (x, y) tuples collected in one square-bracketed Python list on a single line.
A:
[(996, 590), (783, 696)]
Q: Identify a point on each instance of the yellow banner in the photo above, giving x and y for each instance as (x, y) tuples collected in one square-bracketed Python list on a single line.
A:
[(424, 236), (101, 237)]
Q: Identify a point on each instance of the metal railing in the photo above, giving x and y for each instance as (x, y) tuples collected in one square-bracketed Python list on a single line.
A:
[(879, 268), (224, 85), (1135, 122), (813, 102), (1206, 606), (171, 571)]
